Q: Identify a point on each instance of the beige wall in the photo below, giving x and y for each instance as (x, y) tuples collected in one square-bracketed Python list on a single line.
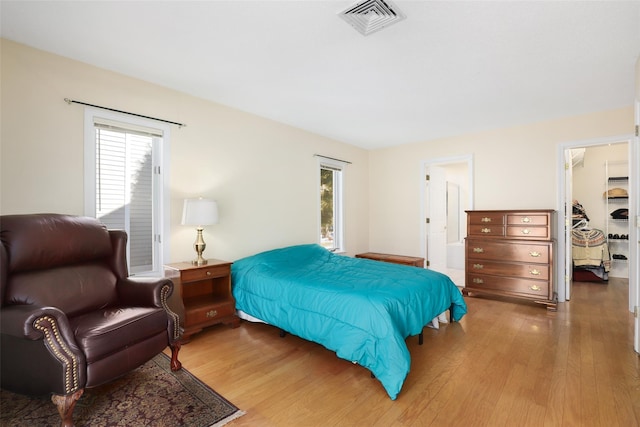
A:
[(262, 173), (513, 168)]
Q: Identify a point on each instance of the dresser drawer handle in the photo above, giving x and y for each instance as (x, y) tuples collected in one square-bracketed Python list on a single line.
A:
[(485, 230), (526, 231), (478, 266), (485, 219), (535, 254), (208, 273), (534, 288), (526, 219), (211, 313), (478, 250), (535, 272), (476, 280)]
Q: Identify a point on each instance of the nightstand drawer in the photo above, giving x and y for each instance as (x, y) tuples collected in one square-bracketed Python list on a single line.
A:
[(209, 313), (205, 273)]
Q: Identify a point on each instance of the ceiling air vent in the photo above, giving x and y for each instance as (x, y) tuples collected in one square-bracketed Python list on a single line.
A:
[(369, 16)]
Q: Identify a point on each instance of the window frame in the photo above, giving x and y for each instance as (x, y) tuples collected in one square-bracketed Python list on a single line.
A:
[(338, 167), (161, 193)]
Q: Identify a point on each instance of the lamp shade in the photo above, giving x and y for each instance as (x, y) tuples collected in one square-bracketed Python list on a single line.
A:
[(199, 212)]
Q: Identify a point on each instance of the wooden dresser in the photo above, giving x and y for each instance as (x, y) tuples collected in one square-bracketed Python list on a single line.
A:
[(510, 253)]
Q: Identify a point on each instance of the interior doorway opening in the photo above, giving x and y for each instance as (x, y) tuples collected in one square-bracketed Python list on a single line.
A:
[(447, 194), (591, 169)]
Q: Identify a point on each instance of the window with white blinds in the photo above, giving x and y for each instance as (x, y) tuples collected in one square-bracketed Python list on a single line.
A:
[(331, 205), (126, 185)]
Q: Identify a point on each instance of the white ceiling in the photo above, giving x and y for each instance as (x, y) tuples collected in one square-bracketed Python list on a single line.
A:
[(450, 67)]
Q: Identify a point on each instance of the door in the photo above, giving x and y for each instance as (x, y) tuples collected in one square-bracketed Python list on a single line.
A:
[(568, 207), (634, 249), (436, 197)]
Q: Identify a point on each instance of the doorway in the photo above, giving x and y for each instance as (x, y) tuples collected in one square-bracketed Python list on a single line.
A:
[(447, 192), (564, 273)]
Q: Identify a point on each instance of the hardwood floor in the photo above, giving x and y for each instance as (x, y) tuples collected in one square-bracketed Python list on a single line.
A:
[(505, 364)]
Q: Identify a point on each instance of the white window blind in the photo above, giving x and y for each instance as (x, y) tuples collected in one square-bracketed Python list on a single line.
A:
[(125, 188)]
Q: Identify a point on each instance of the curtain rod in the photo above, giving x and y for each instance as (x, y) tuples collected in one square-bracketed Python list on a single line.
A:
[(70, 101), (332, 158)]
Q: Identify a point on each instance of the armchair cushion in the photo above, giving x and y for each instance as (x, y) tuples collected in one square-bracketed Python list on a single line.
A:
[(99, 332)]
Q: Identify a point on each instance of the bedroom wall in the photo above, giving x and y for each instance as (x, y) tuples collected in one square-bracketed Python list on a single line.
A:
[(262, 173), (514, 168)]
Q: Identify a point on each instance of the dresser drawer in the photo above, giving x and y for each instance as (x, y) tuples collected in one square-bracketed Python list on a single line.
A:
[(205, 273), (528, 219), (527, 232), (537, 253), (525, 271), (486, 218), (508, 285), (485, 230)]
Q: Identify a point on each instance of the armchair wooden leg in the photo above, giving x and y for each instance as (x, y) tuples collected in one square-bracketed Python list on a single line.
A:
[(65, 405), (175, 363)]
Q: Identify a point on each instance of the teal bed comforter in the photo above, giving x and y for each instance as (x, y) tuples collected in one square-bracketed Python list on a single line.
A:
[(359, 308)]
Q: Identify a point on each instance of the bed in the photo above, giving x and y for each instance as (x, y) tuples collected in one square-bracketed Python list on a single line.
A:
[(359, 308)]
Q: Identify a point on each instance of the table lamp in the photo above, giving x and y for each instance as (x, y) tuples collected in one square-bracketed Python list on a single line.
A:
[(199, 212)]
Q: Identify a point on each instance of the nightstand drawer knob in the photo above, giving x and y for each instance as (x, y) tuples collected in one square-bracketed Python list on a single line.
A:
[(526, 231), (534, 288), (476, 280), (212, 313), (208, 273), (485, 219), (535, 272), (478, 250), (534, 254), (478, 266), (485, 230), (526, 219)]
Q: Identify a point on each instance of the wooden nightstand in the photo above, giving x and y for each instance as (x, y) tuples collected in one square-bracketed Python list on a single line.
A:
[(394, 259), (205, 293)]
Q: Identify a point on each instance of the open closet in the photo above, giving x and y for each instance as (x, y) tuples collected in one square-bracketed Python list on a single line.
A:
[(600, 223)]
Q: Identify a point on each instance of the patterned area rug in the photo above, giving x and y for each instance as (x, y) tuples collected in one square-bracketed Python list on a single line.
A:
[(151, 395)]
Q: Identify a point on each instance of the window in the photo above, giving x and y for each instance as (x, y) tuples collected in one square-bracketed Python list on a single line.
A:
[(331, 205), (125, 184)]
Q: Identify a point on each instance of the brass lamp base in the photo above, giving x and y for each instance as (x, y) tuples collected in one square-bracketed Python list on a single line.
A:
[(199, 246)]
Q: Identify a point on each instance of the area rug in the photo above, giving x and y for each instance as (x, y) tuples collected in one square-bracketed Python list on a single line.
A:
[(151, 395)]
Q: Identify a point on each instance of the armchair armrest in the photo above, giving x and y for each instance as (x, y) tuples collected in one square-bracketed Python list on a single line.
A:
[(143, 291), (151, 292), (39, 351), (26, 322)]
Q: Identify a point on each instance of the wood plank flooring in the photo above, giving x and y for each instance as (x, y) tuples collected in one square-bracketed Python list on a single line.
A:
[(505, 364)]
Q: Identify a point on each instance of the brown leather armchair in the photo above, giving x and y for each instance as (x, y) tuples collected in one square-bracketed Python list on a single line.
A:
[(70, 317)]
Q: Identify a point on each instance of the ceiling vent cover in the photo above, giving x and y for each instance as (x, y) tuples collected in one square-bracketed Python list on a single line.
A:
[(369, 16)]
